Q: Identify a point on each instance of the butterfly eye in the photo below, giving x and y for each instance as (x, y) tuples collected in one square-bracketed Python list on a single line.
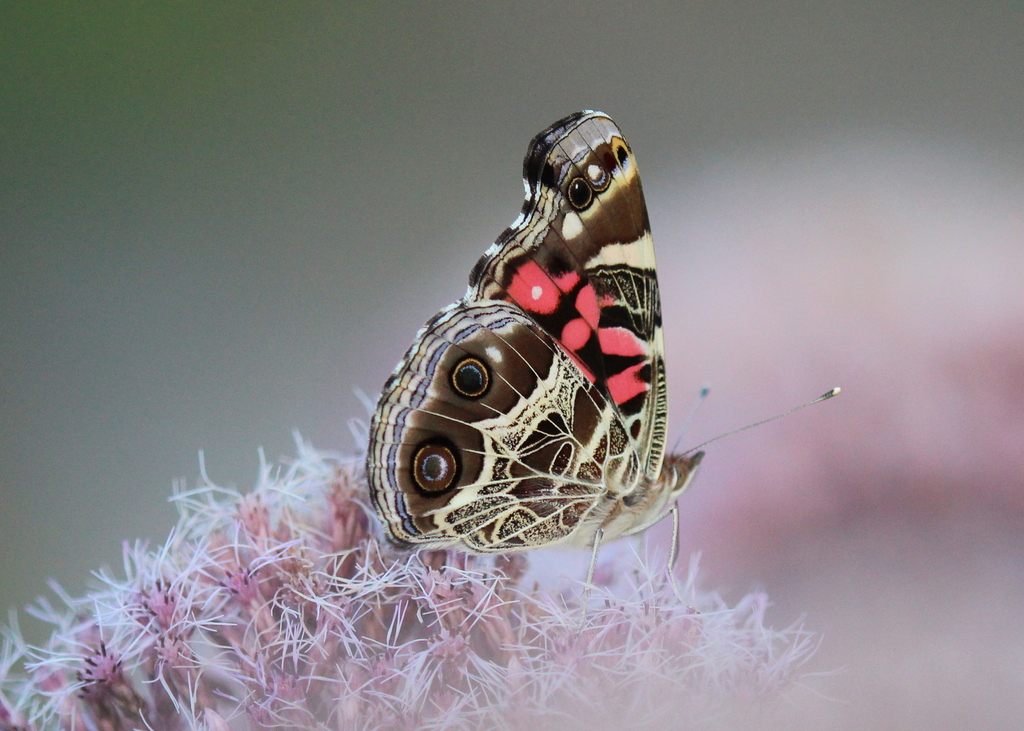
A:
[(434, 468), (470, 378), (580, 194)]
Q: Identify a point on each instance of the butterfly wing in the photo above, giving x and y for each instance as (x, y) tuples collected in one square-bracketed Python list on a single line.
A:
[(533, 411), (579, 261), (488, 435)]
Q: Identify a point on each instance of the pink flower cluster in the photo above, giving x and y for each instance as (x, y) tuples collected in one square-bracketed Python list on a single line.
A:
[(281, 609)]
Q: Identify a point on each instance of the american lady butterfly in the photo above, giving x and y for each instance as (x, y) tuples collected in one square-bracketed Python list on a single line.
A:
[(532, 412)]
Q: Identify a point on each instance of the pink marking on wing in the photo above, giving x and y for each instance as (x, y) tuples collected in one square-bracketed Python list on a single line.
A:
[(607, 300), (586, 305), (620, 341), (627, 384), (533, 290), (567, 281), (576, 333)]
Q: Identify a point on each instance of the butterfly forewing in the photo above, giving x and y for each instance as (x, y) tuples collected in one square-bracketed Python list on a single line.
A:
[(580, 261)]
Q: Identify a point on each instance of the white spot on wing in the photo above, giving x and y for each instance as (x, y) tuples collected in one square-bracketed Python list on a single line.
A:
[(572, 226), (537, 291), (493, 353)]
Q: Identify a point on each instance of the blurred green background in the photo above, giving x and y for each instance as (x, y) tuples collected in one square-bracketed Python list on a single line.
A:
[(217, 219)]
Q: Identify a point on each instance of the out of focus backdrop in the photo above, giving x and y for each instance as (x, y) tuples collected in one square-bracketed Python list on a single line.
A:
[(217, 220)]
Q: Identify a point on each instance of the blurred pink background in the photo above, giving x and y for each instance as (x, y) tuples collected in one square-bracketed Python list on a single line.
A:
[(891, 516), (219, 220)]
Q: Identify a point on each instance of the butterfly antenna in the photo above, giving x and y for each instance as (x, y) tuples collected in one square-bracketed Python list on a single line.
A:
[(690, 416), (824, 397)]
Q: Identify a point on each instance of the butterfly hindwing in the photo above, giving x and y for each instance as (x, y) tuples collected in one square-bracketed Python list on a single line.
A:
[(491, 434)]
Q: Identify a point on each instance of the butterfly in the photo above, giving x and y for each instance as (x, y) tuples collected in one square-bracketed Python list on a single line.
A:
[(532, 412)]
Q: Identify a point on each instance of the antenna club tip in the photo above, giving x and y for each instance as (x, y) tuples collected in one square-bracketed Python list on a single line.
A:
[(834, 392)]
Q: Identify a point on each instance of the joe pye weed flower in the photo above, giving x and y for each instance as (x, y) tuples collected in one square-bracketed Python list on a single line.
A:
[(280, 608)]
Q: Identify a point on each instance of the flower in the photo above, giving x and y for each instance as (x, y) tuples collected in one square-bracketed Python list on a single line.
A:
[(282, 608)]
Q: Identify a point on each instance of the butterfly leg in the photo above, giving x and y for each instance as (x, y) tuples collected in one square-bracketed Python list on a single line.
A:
[(673, 557), (673, 553), (590, 579)]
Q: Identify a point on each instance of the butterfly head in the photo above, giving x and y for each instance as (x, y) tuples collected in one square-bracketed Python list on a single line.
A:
[(678, 471)]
